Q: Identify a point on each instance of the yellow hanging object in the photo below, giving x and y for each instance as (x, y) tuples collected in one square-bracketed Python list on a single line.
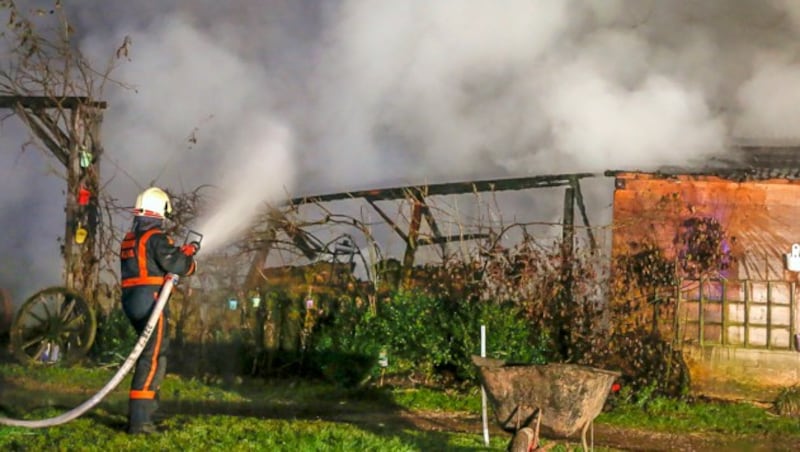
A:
[(80, 234)]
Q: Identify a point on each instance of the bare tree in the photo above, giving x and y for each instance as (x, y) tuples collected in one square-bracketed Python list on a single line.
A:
[(47, 82)]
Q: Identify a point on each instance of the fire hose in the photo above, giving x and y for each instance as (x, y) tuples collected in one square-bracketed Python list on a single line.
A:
[(170, 281)]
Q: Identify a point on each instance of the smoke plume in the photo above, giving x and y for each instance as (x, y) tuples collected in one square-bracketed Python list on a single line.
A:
[(266, 98)]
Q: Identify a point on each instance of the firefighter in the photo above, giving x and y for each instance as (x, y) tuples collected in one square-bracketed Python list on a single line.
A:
[(147, 255)]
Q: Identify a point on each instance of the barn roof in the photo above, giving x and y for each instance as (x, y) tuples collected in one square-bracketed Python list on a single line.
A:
[(748, 160)]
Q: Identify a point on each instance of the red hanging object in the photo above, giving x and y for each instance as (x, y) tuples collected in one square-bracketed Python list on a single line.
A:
[(83, 196)]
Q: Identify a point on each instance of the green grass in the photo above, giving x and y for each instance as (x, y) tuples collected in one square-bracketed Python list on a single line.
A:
[(75, 378), (278, 415), (432, 400), (103, 427), (298, 392), (676, 416), (102, 432), (90, 380)]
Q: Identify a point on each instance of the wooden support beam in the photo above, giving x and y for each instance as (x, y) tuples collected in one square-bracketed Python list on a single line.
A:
[(576, 185), (252, 280), (411, 244), (388, 220), (564, 301), (568, 232), (300, 240), (437, 238), (45, 134), (434, 227), (41, 102)]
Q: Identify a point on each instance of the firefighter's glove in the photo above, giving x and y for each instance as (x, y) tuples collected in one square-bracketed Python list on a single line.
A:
[(190, 249)]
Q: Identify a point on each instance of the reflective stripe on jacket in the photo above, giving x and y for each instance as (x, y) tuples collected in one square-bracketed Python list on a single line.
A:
[(147, 255)]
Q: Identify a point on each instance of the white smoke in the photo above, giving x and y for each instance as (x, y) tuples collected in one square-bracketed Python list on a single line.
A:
[(770, 101), (32, 217), (361, 93), (200, 114), (447, 90)]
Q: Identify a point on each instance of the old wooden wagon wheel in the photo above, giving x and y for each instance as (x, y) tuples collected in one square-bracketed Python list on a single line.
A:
[(54, 325)]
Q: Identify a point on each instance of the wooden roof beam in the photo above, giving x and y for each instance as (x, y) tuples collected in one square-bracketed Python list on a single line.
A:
[(449, 188), (450, 238), (41, 102)]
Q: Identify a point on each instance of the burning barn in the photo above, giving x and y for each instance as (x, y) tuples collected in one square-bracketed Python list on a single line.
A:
[(700, 255), (708, 252)]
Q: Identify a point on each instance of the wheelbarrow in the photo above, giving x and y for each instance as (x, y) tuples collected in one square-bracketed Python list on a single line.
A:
[(556, 400)]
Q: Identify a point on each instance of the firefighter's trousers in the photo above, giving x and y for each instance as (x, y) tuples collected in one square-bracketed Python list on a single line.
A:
[(138, 303)]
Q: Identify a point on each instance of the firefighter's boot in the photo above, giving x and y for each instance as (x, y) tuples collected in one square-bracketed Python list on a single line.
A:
[(139, 411)]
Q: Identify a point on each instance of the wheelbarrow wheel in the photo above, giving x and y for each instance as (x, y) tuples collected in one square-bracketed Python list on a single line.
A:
[(523, 441), (527, 438), (55, 325)]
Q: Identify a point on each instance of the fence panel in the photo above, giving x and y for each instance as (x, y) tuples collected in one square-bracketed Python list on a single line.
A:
[(742, 313)]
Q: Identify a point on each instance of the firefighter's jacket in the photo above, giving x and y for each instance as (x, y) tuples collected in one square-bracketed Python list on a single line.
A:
[(147, 254)]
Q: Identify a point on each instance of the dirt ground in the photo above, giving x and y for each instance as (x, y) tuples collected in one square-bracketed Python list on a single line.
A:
[(603, 435)]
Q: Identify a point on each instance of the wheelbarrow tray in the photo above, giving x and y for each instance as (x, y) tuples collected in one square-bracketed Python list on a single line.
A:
[(569, 396)]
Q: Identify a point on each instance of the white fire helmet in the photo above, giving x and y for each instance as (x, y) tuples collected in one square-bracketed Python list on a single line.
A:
[(153, 202)]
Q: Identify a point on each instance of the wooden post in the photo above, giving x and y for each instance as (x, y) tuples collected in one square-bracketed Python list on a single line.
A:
[(677, 339), (747, 292), (411, 243), (769, 315), (82, 262), (701, 314), (564, 303), (568, 237), (792, 312), (724, 314)]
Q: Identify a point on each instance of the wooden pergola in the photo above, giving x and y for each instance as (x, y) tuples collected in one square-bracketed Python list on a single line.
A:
[(420, 210)]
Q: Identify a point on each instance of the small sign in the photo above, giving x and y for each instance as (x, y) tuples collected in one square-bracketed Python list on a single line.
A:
[(793, 259)]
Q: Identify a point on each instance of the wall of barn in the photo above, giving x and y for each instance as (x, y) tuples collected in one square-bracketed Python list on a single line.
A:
[(737, 310), (741, 373)]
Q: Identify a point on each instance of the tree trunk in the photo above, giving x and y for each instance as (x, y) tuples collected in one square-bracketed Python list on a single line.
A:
[(81, 245)]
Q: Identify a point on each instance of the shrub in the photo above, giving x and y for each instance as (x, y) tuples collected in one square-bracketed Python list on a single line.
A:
[(115, 338), (787, 403), (649, 364), (428, 335)]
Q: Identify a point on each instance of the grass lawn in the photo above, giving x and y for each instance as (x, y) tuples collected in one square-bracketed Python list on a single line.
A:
[(302, 415)]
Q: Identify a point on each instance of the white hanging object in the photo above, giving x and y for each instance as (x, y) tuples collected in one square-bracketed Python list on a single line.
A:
[(793, 259)]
